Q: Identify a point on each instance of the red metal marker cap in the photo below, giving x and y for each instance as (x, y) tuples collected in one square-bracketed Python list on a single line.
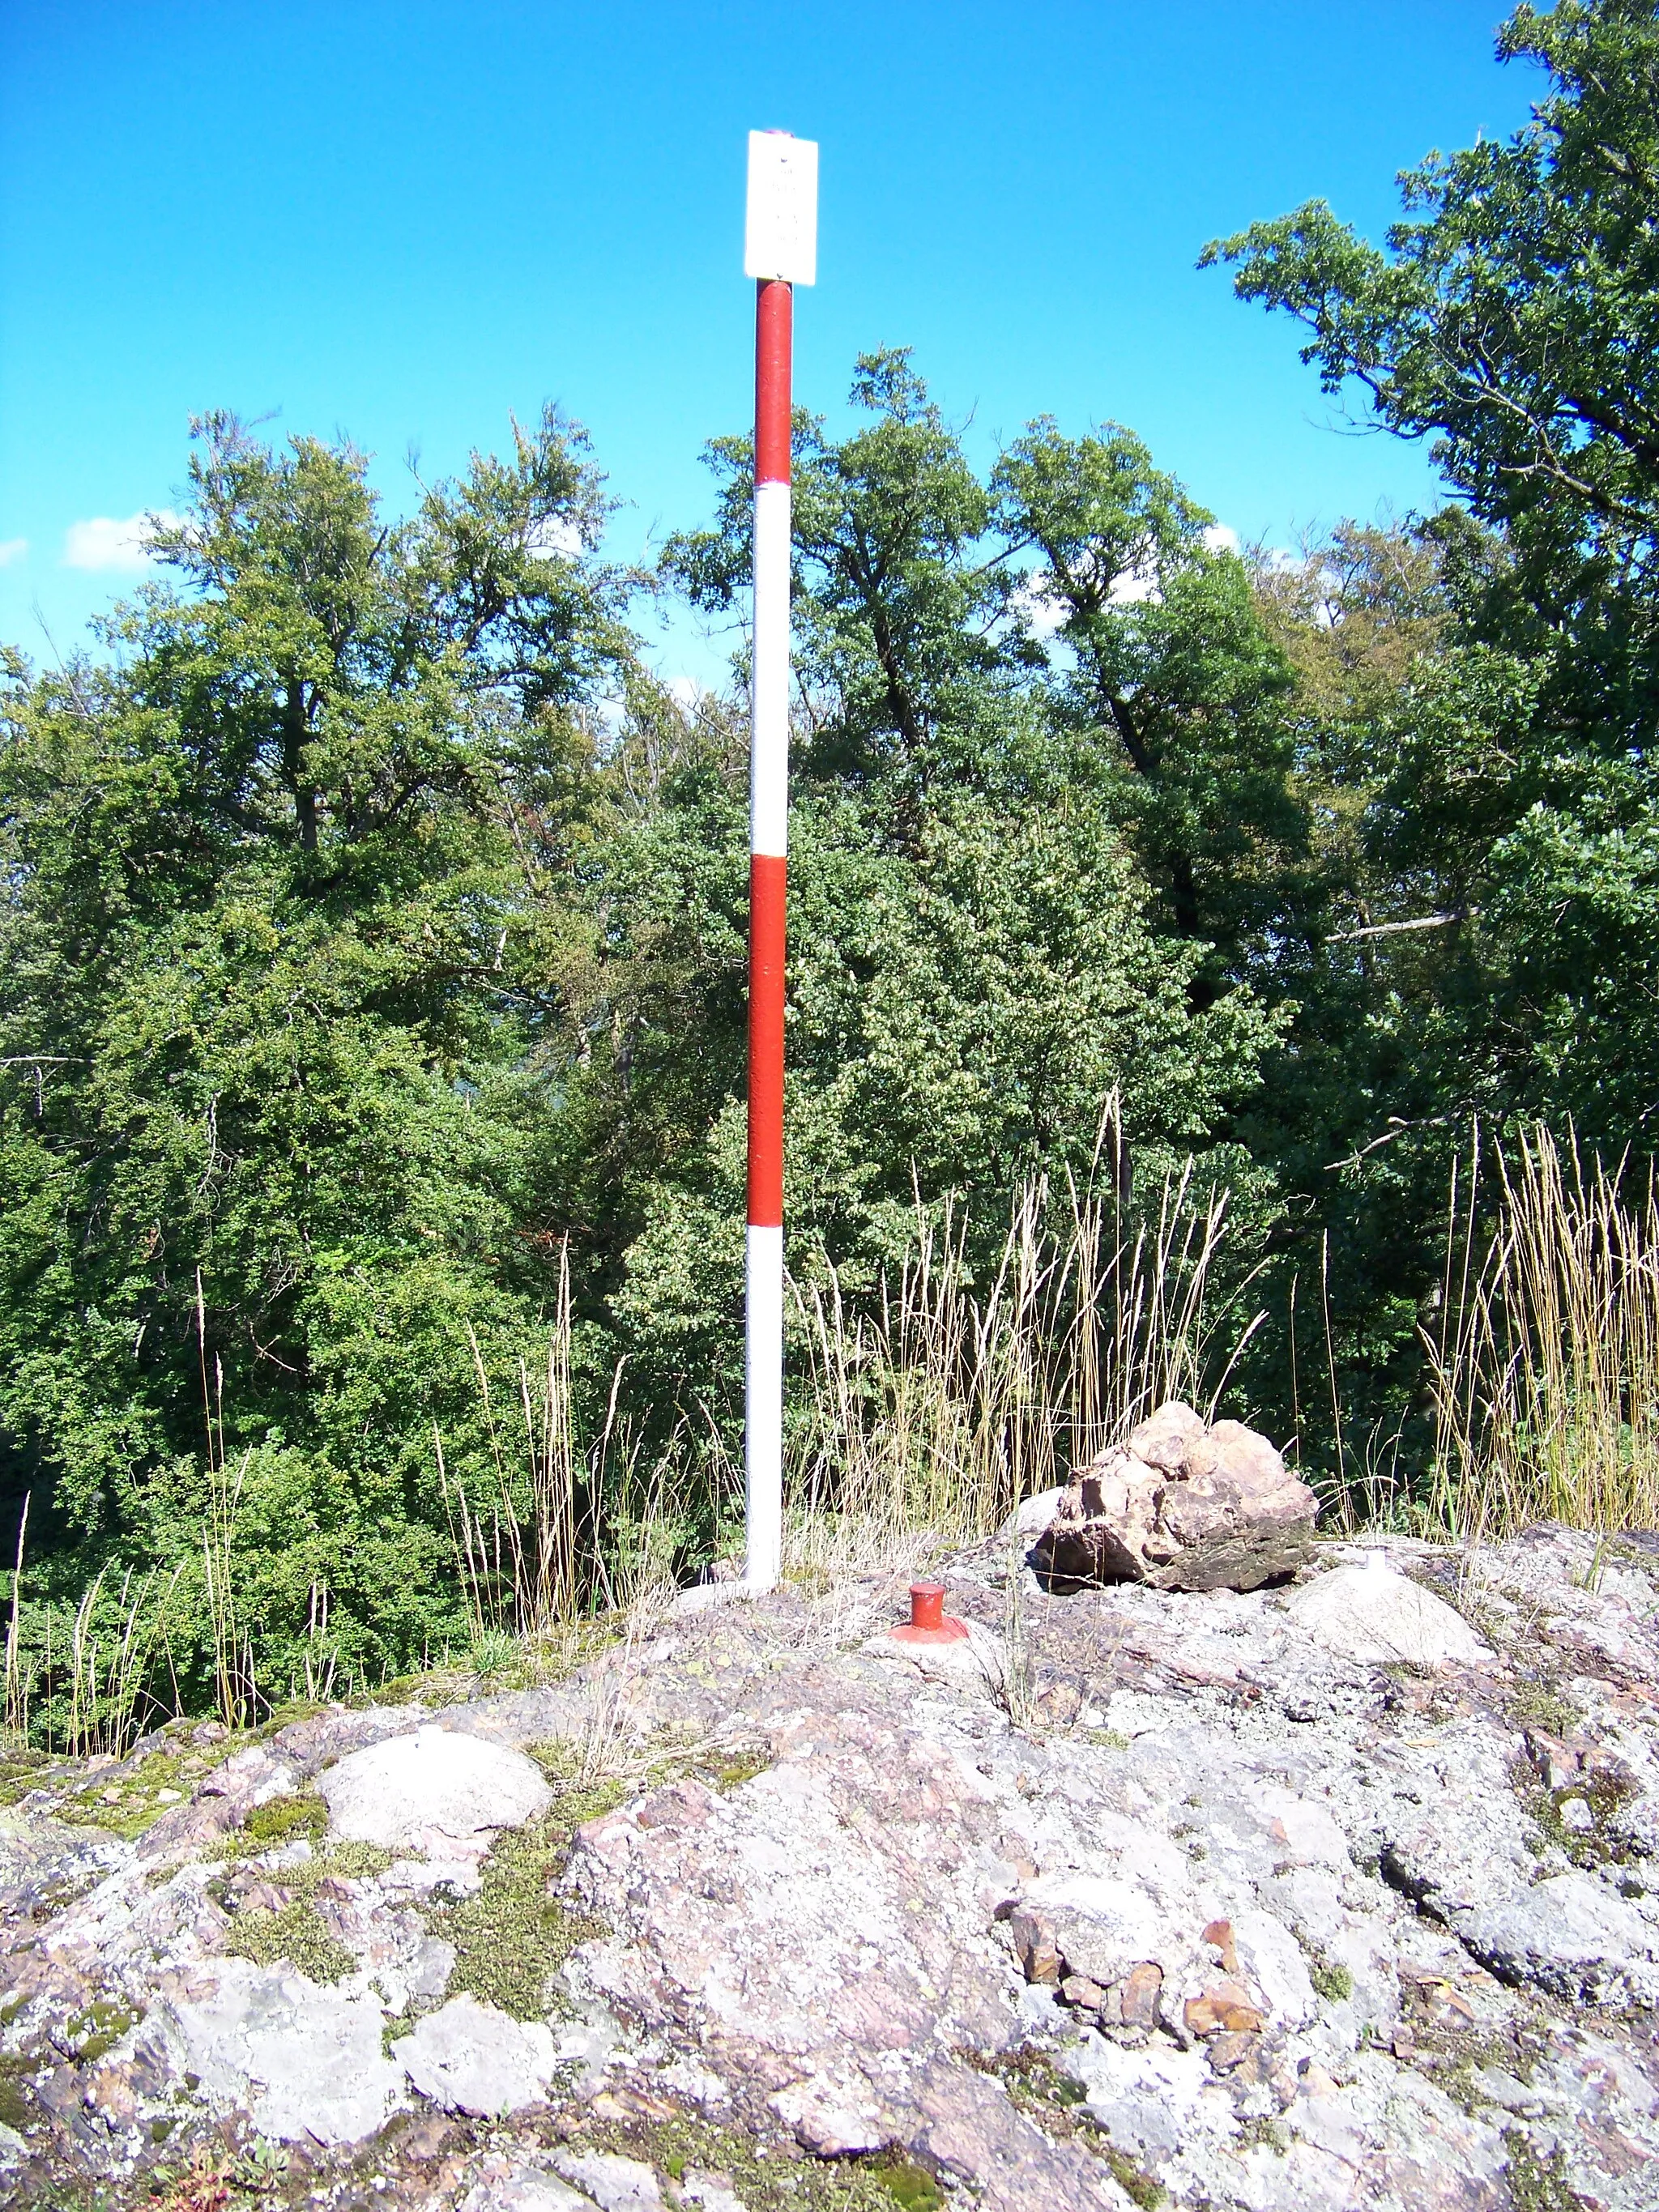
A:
[(929, 1623)]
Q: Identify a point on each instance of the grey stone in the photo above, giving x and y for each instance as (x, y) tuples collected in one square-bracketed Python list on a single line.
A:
[(504, 2184), (1150, 2101), (432, 1788), (616, 2185), (1370, 1613), (833, 2111), (472, 2058), (713, 2192), (300, 2059), (13, 2148), (1103, 1926), (1635, 1823), (1032, 1515), (1571, 1935)]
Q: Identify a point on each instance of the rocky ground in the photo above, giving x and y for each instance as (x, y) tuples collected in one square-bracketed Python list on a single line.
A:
[(1344, 1892)]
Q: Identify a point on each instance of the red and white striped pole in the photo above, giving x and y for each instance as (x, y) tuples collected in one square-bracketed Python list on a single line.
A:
[(779, 251)]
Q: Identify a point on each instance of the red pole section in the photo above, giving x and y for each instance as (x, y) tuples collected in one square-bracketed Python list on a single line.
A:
[(770, 768), (768, 800)]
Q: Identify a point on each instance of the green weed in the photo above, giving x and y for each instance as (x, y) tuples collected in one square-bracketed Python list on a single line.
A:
[(772, 2182), (17, 2110), (95, 2032), (126, 1801), (731, 1771), (296, 1934), (513, 1935), (1332, 1980), (907, 2183), (1537, 2183), (286, 1819)]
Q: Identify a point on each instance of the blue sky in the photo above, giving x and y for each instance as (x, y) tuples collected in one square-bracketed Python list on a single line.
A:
[(403, 219)]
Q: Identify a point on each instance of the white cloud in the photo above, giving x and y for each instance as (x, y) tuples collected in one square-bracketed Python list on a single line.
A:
[(12, 551), (102, 542), (557, 535), (684, 691), (1041, 608), (1137, 585), (1134, 585)]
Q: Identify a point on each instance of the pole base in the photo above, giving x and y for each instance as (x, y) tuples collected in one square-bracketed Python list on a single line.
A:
[(929, 1623)]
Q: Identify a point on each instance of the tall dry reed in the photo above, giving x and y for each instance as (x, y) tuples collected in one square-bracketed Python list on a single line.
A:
[(1546, 1361), (922, 1413), (93, 1693), (556, 1531), (941, 1403)]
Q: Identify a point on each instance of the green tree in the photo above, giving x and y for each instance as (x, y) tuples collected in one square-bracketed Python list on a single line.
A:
[(1174, 685), (277, 1010), (976, 956), (1512, 319)]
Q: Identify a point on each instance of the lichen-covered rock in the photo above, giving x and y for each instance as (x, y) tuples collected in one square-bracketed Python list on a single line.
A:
[(1177, 1897), (1371, 1613), (1570, 1935), (1182, 1506), (306, 2063), (470, 2058), (432, 1788)]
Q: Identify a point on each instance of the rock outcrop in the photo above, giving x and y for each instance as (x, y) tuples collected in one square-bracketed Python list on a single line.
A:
[(1182, 1506), (1186, 1896)]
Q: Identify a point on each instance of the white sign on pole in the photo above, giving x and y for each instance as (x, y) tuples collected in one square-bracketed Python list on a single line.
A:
[(781, 236)]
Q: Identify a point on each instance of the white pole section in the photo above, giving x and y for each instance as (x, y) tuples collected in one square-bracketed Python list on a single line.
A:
[(780, 251)]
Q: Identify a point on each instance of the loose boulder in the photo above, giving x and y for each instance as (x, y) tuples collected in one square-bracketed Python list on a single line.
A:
[(1370, 1613), (1182, 1505), (431, 1789)]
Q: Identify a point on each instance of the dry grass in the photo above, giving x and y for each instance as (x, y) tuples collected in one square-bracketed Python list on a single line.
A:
[(919, 1417), (1546, 1367), (932, 1412), (561, 1533), (98, 1673)]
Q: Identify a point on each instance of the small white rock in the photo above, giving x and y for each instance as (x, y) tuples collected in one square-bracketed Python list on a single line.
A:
[(508, 2185), (431, 1788), (1372, 1614), (1032, 1517), (616, 2185), (472, 2058), (710, 2193)]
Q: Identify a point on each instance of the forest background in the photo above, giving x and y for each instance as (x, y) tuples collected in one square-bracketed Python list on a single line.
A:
[(1208, 969)]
